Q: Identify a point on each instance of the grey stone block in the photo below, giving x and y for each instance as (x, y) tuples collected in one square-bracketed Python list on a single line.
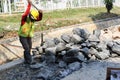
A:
[(62, 64), (56, 40), (116, 48), (86, 52), (72, 52), (49, 43), (50, 57), (97, 33), (93, 38), (101, 46), (51, 49), (76, 39), (66, 38), (84, 33), (74, 66), (104, 55), (80, 57), (60, 47)]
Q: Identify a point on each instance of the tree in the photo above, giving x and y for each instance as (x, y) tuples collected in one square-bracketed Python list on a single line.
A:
[(109, 5)]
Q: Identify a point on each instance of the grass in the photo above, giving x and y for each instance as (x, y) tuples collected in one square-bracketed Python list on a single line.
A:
[(59, 18)]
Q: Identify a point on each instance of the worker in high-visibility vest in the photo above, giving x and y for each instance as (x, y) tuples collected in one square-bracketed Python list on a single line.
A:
[(26, 30)]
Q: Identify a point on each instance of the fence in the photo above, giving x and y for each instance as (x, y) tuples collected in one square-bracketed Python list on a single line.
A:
[(63, 4), (20, 5)]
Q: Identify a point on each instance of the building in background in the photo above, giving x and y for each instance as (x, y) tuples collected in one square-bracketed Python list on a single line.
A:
[(19, 5), (11, 6), (5, 6)]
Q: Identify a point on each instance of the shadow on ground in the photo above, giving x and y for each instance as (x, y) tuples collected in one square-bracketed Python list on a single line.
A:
[(105, 17)]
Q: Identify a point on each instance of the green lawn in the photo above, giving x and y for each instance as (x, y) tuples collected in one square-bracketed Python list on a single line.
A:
[(59, 18)]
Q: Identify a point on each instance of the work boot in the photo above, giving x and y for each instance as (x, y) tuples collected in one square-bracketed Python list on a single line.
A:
[(28, 58)]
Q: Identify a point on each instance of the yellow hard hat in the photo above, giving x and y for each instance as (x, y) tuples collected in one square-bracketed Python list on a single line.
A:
[(34, 14)]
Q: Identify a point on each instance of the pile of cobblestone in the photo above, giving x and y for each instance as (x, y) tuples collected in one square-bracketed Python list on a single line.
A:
[(71, 50)]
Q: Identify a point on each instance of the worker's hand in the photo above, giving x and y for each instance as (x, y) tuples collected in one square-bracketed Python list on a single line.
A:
[(29, 1), (40, 10)]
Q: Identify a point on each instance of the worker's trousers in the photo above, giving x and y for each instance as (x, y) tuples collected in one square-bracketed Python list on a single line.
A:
[(27, 45)]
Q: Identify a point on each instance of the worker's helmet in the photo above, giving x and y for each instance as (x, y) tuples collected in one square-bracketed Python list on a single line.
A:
[(34, 14)]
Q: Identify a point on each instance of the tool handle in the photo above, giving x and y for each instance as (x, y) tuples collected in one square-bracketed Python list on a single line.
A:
[(34, 6)]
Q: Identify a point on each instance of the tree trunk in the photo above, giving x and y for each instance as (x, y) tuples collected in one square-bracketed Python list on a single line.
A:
[(109, 7), (108, 11)]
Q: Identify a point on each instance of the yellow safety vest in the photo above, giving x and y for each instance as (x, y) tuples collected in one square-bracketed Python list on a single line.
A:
[(27, 30)]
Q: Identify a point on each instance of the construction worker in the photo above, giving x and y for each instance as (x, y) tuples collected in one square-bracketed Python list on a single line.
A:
[(27, 28)]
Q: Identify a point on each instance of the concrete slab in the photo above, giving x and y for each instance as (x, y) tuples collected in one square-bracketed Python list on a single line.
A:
[(11, 64)]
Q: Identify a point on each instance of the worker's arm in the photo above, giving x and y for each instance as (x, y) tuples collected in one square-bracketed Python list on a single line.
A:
[(28, 8), (26, 13)]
